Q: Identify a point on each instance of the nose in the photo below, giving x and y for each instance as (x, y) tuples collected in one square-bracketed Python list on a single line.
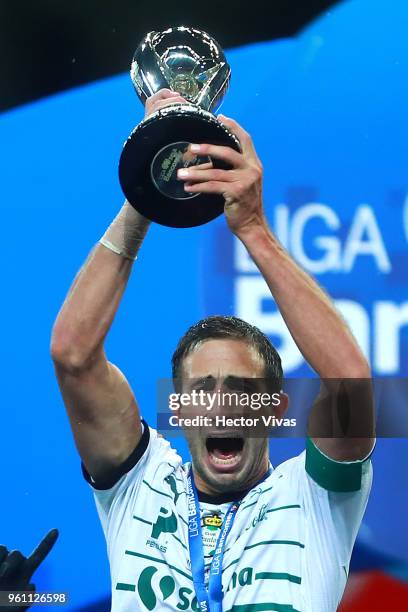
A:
[(224, 401)]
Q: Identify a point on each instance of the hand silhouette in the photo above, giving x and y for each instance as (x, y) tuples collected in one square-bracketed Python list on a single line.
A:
[(16, 570)]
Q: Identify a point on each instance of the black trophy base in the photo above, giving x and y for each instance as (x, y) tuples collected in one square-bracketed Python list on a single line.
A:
[(154, 152)]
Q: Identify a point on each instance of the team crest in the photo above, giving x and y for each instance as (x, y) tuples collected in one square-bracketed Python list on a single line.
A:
[(212, 521)]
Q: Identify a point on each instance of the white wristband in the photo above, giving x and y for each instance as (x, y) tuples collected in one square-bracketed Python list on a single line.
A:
[(115, 249), (125, 234)]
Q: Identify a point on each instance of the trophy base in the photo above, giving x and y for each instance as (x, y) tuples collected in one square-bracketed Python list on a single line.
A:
[(154, 152)]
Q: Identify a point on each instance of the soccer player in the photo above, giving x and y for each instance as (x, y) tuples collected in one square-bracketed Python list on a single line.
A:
[(227, 532)]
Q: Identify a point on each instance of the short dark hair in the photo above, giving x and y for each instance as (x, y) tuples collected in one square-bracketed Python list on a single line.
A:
[(230, 327)]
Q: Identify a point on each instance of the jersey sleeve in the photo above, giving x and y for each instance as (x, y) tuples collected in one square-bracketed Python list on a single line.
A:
[(345, 486), (336, 476), (114, 500), (334, 495)]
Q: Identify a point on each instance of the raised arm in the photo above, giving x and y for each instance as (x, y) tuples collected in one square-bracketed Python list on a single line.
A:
[(318, 330), (100, 403)]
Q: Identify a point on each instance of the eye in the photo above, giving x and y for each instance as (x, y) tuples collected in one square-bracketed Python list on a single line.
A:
[(242, 385), (204, 384)]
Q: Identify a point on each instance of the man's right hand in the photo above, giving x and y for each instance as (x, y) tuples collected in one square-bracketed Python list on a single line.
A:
[(162, 98)]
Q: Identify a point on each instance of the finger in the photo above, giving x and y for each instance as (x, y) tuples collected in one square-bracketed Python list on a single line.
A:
[(192, 174), (207, 187), (39, 554), (3, 553), (187, 157), (162, 94), (162, 104), (173, 100), (243, 136), (205, 166), (12, 565), (235, 159)]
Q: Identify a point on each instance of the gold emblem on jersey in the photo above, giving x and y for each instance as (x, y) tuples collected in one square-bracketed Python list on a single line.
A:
[(213, 521)]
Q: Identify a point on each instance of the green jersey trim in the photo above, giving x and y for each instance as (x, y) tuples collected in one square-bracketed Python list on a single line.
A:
[(257, 607), (123, 586), (336, 476), (265, 543)]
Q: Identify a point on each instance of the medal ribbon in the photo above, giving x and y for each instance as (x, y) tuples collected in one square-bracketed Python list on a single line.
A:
[(208, 600)]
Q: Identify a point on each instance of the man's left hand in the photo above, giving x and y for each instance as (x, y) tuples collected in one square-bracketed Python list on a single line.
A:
[(241, 186)]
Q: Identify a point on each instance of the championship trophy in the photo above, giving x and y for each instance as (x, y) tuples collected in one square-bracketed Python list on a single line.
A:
[(192, 63)]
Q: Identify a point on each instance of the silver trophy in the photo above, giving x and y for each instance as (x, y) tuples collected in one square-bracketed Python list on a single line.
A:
[(192, 63)]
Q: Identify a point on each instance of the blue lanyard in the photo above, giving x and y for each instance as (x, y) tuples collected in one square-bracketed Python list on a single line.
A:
[(211, 600)]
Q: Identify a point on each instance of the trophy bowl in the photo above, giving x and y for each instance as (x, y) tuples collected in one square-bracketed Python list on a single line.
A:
[(192, 63)]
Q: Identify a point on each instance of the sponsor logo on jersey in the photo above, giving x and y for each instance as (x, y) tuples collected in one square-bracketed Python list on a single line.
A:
[(164, 524), (154, 589)]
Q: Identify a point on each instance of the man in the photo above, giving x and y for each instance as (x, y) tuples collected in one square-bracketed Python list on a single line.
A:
[(269, 539)]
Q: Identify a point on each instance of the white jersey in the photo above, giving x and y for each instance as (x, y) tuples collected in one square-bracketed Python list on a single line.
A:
[(288, 550)]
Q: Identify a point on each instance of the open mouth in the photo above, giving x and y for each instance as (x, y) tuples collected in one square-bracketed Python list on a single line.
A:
[(224, 454)]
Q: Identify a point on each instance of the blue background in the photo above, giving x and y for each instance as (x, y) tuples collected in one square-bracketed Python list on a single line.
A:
[(327, 112)]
